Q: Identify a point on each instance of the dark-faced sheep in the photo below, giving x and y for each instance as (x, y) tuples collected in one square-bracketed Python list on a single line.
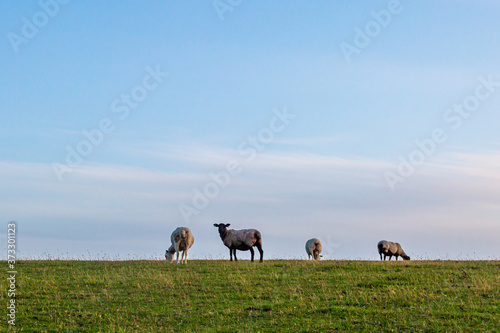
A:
[(182, 239), (242, 240), (391, 249), (313, 248)]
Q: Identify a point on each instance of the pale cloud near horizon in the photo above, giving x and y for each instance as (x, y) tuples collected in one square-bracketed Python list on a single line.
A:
[(285, 195)]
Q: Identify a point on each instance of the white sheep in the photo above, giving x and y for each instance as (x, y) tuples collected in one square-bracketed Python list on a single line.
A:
[(242, 240), (313, 248), (391, 249), (182, 239)]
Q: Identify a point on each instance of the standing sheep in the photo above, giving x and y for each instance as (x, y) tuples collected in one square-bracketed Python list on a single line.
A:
[(391, 249), (313, 248), (182, 239), (242, 240)]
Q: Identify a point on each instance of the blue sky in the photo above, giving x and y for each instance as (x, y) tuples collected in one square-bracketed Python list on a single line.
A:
[(221, 77)]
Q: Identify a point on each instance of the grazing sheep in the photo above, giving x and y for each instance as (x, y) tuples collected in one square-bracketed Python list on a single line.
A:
[(242, 240), (391, 249), (313, 248), (182, 239)]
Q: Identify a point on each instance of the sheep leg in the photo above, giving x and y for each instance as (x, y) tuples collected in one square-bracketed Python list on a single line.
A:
[(380, 256), (231, 254), (185, 255), (177, 261), (235, 259), (259, 247), (252, 252)]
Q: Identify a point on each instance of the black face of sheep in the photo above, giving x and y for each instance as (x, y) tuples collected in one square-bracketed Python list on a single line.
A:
[(243, 240), (222, 228)]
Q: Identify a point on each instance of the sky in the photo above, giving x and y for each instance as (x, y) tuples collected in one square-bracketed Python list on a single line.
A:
[(348, 121)]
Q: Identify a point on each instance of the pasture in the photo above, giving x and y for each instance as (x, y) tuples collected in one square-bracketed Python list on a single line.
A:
[(277, 295)]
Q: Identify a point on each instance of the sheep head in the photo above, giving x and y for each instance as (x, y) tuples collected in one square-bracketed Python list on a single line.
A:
[(222, 227), (169, 254), (405, 257)]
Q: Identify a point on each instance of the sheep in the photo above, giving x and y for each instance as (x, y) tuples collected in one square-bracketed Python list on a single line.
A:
[(391, 249), (242, 240), (182, 239), (313, 248)]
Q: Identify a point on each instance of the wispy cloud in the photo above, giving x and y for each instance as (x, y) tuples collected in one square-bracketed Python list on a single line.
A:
[(310, 141), (285, 195)]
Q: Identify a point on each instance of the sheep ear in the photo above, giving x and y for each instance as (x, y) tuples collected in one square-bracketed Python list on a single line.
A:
[(227, 225), (216, 225)]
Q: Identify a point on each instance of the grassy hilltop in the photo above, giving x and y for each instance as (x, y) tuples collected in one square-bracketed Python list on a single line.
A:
[(223, 296)]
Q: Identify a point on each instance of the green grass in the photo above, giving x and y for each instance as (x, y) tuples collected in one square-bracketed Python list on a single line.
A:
[(223, 296)]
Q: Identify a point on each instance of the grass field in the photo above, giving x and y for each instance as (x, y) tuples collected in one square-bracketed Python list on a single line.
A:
[(278, 295)]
